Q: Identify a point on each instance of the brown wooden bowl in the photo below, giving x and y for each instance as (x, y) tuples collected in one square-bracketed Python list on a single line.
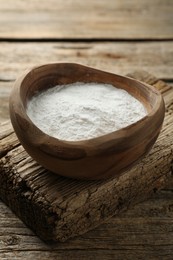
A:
[(92, 159)]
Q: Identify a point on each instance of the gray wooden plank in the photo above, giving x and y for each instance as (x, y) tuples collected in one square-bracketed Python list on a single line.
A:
[(5, 88), (119, 57), (143, 232), (92, 19)]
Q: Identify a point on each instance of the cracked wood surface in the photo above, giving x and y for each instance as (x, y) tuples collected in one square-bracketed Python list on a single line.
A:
[(143, 232), (92, 19), (58, 208)]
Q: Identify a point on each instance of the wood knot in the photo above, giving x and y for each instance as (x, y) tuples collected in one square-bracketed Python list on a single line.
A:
[(12, 240)]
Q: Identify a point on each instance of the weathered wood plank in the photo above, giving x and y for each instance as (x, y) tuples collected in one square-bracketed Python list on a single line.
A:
[(130, 254), (5, 88), (118, 57), (147, 219), (79, 206), (143, 232), (92, 19)]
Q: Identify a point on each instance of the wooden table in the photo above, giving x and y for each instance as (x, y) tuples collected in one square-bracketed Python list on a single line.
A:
[(117, 36)]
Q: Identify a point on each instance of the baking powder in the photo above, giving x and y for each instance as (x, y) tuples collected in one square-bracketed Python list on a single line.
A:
[(81, 111)]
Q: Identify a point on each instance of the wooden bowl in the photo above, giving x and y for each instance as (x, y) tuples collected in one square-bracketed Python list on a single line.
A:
[(96, 158)]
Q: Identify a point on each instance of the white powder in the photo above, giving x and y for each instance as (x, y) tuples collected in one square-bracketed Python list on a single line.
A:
[(82, 111)]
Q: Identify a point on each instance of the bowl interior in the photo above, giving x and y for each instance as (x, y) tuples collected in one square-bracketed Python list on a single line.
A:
[(47, 76)]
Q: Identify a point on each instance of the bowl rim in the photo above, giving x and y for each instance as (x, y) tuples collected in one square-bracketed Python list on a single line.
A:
[(91, 146)]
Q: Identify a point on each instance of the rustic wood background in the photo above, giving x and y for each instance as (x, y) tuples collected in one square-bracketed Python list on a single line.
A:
[(117, 36)]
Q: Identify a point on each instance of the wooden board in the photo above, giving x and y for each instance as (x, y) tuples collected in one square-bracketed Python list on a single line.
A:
[(142, 232), (58, 208), (120, 58), (92, 19)]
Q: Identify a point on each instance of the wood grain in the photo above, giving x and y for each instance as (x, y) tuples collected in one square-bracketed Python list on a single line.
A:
[(117, 57), (142, 232), (90, 19), (79, 206), (5, 88)]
